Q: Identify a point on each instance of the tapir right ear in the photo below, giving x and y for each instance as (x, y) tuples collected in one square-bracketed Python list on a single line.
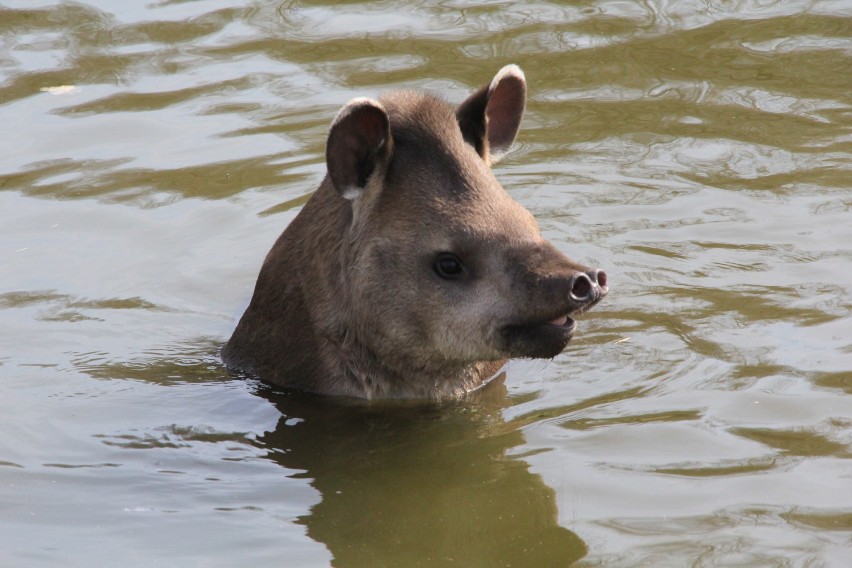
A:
[(359, 145), (489, 119)]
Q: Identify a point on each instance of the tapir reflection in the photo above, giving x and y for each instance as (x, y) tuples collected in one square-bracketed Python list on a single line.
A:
[(414, 484)]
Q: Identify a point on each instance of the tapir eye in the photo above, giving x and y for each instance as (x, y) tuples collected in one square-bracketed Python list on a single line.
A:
[(448, 266)]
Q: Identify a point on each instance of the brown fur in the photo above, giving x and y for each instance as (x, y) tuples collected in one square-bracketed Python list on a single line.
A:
[(348, 301)]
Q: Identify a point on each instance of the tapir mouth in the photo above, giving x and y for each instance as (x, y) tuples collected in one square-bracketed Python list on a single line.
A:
[(544, 338), (539, 340), (566, 322), (563, 321)]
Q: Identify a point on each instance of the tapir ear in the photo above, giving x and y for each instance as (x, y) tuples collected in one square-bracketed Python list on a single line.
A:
[(490, 117), (359, 145)]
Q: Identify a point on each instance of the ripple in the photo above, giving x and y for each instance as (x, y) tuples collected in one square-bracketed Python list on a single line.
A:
[(820, 519), (723, 468), (669, 416), (64, 307), (802, 441), (194, 361)]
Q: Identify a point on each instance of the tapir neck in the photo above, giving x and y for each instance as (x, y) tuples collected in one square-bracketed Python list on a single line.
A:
[(370, 377)]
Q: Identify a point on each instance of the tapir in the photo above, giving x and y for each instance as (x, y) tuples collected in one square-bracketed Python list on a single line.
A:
[(411, 272)]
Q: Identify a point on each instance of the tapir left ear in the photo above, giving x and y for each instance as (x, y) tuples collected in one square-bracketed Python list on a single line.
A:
[(490, 117), (359, 146)]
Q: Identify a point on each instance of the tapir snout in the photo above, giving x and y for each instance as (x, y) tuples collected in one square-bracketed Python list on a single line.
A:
[(555, 288)]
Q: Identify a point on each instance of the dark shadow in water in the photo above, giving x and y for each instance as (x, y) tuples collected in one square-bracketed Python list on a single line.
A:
[(415, 484)]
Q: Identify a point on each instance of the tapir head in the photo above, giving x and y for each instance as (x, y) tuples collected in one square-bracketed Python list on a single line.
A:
[(440, 266)]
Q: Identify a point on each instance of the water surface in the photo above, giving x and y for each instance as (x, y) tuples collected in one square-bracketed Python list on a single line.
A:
[(699, 152)]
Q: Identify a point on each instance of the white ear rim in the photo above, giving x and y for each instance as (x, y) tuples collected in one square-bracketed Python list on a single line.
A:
[(495, 154), (353, 104), (507, 71)]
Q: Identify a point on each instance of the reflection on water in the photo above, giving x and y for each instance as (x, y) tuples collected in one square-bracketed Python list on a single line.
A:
[(426, 485), (699, 152)]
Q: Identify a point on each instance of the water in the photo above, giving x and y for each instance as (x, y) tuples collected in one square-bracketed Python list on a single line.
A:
[(151, 153)]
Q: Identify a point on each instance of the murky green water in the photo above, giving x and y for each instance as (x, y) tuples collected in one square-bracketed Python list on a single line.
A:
[(150, 152)]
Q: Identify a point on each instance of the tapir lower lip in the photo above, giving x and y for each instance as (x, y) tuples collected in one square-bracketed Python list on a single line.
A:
[(564, 323)]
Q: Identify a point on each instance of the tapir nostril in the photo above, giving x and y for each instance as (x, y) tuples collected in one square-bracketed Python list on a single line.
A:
[(599, 276), (581, 288)]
